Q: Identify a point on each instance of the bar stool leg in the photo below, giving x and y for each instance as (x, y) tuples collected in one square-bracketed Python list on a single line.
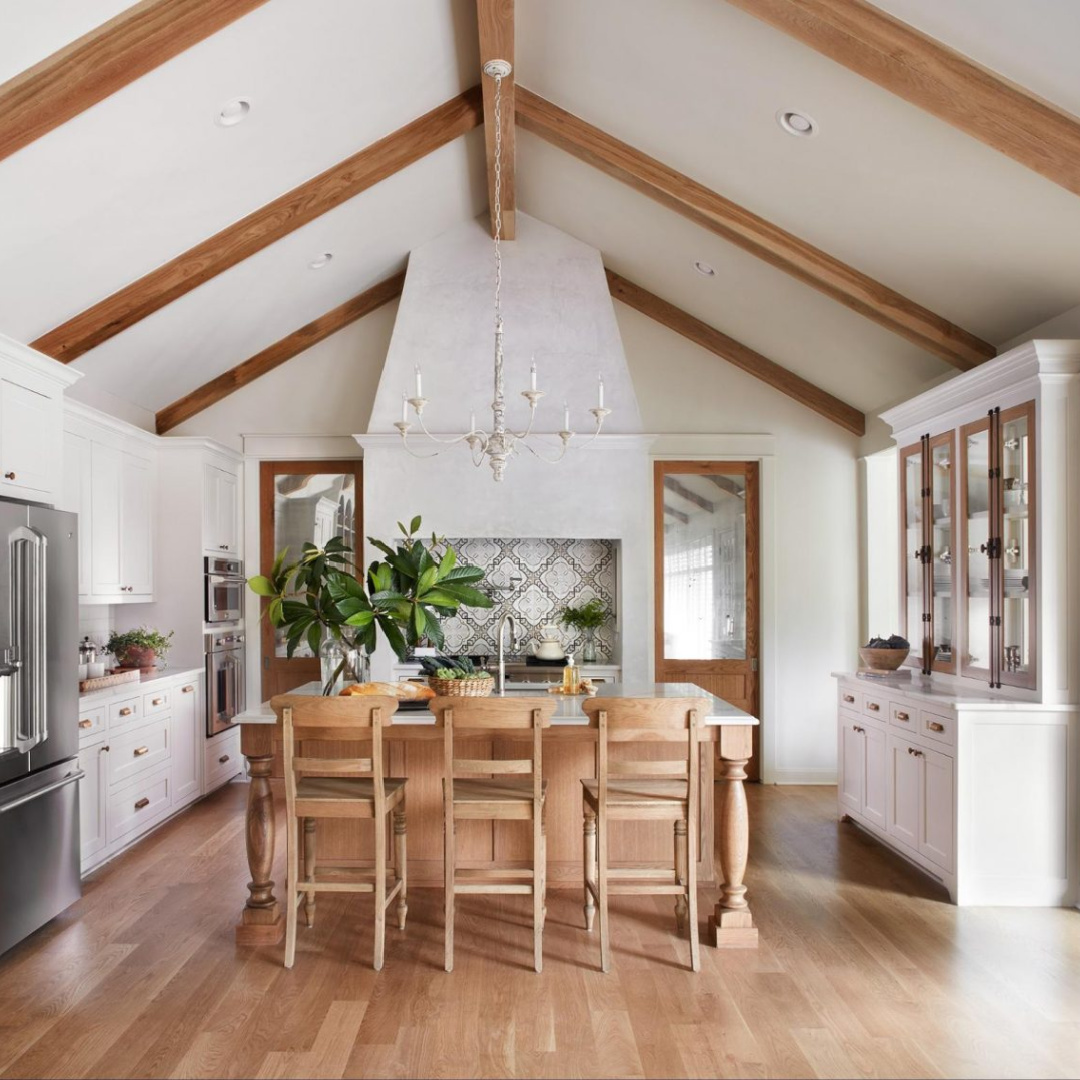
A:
[(400, 864), (602, 890), (292, 876), (538, 891), (590, 865), (448, 885), (309, 869), (680, 873), (380, 892)]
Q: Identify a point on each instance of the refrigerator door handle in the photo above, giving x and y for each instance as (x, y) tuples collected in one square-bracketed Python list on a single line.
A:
[(28, 597), (70, 779)]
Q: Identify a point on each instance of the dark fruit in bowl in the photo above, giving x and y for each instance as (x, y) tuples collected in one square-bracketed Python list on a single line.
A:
[(894, 642)]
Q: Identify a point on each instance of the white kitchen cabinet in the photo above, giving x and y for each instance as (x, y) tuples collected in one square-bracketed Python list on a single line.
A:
[(31, 422), (851, 765), (875, 788), (76, 497), (221, 511), (862, 782), (93, 789), (936, 827), (905, 781), (187, 741)]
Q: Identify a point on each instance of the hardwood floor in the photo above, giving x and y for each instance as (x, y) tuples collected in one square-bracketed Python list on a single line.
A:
[(863, 970)]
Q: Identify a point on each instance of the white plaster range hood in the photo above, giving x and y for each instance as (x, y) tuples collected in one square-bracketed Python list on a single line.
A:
[(556, 308)]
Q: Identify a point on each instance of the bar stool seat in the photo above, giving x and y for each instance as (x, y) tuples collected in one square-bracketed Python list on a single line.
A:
[(503, 798), (667, 798), (326, 789)]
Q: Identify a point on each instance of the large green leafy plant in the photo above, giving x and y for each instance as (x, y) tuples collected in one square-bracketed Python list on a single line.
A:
[(405, 594)]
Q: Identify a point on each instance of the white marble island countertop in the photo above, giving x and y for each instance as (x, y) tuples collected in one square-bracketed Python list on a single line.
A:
[(568, 713)]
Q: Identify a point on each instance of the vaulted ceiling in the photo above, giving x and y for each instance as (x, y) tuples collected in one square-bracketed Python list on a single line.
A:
[(947, 234)]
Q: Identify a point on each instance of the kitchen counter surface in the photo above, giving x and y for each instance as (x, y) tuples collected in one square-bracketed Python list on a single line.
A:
[(924, 689), (146, 681), (568, 714)]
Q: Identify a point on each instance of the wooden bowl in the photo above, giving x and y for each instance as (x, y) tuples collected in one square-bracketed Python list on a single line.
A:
[(883, 659)]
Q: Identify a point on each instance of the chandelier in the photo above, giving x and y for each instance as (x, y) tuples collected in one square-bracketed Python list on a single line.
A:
[(499, 444)]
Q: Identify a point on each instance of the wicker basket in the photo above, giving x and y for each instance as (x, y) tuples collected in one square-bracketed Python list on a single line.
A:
[(461, 687), (882, 659)]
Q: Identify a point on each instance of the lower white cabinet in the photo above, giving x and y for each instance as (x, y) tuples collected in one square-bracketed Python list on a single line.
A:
[(93, 788), (862, 780), (223, 760), (187, 742), (904, 798)]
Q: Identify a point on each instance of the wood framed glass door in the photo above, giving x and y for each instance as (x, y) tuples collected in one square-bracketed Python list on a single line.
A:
[(299, 501), (707, 581)]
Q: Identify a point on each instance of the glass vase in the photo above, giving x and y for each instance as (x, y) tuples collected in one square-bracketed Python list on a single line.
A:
[(331, 666), (588, 648), (357, 666)]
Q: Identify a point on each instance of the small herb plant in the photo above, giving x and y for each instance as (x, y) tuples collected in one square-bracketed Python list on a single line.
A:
[(589, 616), (141, 638)]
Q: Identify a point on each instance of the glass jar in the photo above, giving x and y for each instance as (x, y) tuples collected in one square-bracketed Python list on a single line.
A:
[(332, 666), (588, 648), (357, 666)]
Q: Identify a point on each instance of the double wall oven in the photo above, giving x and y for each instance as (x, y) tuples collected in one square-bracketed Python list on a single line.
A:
[(225, 695)]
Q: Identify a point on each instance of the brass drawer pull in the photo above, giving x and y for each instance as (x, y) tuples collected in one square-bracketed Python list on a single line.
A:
[(915, 753), (158, 701), (902, 716), (223, 759), (855, 727), (934, 726), (873, 706), (187, 690), (142, 803), (9, 476), (125, 712), (84, 724), (140, 750), (849, 698)]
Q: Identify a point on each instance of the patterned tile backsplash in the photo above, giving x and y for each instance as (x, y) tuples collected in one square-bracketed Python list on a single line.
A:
[(534, 579)]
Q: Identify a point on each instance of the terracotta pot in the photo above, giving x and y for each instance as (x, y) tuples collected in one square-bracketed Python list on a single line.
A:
[(136, 656)]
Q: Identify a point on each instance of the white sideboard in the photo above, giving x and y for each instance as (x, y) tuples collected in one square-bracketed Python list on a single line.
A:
[(976, 789)]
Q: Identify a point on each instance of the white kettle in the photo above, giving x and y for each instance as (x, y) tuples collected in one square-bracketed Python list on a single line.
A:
[(550, 646)]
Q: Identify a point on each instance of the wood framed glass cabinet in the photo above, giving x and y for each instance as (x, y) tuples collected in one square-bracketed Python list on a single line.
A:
[(928, 564)]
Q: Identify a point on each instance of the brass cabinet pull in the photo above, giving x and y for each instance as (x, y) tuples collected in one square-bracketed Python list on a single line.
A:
[(9, 476), (934, 726), (86, 723), (873, 706), (187, 690), (223, 759), (902, 716), (103, 749), (849, 697), (140, 750), (125, 712), (158, 701), (855, 727), (143, 802), (915, 753)]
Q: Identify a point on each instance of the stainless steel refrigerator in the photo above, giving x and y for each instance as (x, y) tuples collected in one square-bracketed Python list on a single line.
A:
[(39, 739)]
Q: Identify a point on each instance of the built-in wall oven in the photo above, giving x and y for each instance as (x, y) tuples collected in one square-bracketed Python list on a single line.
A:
[(225, 695), (224, 590)]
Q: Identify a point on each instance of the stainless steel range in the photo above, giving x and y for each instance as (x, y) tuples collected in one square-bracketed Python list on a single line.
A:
[(225, 692)]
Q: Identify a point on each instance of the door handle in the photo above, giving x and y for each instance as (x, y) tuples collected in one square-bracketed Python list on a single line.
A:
[(43, 791)]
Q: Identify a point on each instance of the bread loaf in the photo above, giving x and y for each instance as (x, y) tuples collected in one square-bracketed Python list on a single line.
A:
[(403, 691)]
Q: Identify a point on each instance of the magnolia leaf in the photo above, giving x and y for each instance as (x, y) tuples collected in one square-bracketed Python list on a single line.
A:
[(314, 638), (414, 525), (447, 562), (466, 594), (464, 575), (419, 620), (262, 586), (437, 597), (361, 618), (273, 612), (434, 631), (427, 579)]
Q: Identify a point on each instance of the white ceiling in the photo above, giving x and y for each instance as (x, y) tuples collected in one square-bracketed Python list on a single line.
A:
[(146, 174)]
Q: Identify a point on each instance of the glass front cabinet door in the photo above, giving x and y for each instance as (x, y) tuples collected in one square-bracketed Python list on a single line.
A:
[(929, 585), (998, 519)]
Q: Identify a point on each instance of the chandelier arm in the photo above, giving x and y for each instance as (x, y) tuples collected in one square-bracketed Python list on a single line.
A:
[(448, 442)]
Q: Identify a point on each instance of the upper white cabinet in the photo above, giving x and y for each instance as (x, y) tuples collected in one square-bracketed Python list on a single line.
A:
[(31, 422), (221, 510), (109, 481)]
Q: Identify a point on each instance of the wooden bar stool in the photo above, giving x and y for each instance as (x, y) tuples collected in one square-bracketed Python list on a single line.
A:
[(339, 787), (641, 790), (498, 790)]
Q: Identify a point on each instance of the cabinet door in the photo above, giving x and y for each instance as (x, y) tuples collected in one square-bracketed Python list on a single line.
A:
[(76, 497), (187, 742), (136, 525), (903, 780), (978, 526), (92, 799), (941, 558), (850, 790), (105, 484), (936, 828), (28, 453), (874, 771), (913, 541), (229, 511)]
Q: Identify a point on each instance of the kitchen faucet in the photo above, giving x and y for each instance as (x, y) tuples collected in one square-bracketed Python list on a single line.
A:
[(506, 618)]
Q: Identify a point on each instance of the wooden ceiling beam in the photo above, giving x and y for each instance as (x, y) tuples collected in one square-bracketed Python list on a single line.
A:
[(741, 356), (275, 355), (496, 21), (262, 228), (678, 515), (684, 492), (935, 78), (727, 485), (750, 232), (105, 60)]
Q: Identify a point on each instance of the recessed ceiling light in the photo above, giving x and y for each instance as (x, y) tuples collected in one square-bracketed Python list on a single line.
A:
[(232, 112), (704, 268), (796, 123), (321, 260)]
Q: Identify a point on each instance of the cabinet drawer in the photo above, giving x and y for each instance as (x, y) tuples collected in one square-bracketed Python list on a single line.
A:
[(903, 716), (157, 702), (938, 727), (223, 759), (850, 699), (123, 714), (138, 804), (875, 706), (139, 751), (91, 723)]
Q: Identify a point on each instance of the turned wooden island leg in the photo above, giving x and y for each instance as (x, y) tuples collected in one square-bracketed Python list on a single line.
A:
[(261, 922), (731, 925)]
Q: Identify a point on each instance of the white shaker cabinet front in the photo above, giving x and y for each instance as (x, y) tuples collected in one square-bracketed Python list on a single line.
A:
[(93, 827), (221, 512), (904, 797), (187, 742), (862, 782)]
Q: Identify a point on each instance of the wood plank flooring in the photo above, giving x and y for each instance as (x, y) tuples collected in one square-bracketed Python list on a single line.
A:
[(864, 969)]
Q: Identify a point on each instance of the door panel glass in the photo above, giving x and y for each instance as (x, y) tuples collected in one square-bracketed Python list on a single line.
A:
[(913, 542), (704, 567), (976, 446), (1016, 547), (311, 507), (941, 551)]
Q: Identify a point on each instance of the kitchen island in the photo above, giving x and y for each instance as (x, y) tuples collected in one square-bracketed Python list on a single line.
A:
[(415, 750)]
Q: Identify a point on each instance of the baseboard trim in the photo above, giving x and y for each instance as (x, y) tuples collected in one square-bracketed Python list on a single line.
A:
[(802, 776)]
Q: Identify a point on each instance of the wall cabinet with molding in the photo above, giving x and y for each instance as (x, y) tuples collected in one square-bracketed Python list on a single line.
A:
[(110, 482), (31, 422), (221, 510)]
